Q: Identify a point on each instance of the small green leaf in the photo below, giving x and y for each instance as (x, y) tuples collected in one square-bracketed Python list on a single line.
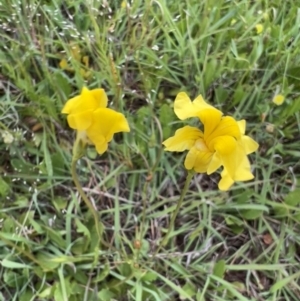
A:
[(81, 228), (58, 294), (105, 295), (46, 293), (293, 198), (55, 236), (46, 263), (232, 220), (25, 296), (190, 290), (14, 265), (251, 214), (219, 268), (60, 203), (149, 276), (4, 188)]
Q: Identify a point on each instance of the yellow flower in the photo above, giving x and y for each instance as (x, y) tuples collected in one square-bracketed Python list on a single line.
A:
[(76, 55), (87, 113), (259, 28), (278, 99), (222, 143), (123, 4)]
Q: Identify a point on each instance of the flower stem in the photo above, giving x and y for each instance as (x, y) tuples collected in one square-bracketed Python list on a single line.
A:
[(175, 213), (85, 198)]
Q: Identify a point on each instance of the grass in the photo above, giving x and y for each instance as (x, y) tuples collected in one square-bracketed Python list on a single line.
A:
[(237, 245)]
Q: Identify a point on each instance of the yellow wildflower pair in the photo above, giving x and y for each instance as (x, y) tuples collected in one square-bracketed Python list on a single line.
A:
[(222, 142)]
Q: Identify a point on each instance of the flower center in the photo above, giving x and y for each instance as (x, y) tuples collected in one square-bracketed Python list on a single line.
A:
[(201, 146)]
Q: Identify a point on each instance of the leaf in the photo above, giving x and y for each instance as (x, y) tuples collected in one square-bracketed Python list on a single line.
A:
[(219, 268), (55, 236), (251, 214), (166, 116), (212, 72), (58, 294), (283, 282), (58, 164), (60, 203), (232, 220), (81, 228), (80, 245), (293, 198), (4, 188), (189, 289), (26, 296), (21, 166), (105, 295), (62, 83), (14, 265), (46, 263), (292, 108), (239, 94), (46, 293), (13, 278), (221, 94), (149, 277)]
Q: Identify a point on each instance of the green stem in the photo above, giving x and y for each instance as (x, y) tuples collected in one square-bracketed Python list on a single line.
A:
[(175, 213), (84, 197)]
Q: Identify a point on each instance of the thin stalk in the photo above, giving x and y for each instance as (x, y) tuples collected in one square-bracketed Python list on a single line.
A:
[(84, 197), (175, 213)]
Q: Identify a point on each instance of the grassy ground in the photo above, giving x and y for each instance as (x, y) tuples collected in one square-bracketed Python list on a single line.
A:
[(238, 245)]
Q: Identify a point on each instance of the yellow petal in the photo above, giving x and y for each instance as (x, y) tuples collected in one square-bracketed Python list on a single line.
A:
[(92, 99), (105, 123), (70, 105), (226, 127), (183, 139), (101, 97), (243, 173), (226, 181), (100, 143), (242, 126), (101, 147), (226, 147), (278, 99), (240, 172), (80, 121), (210, 118), (214, 164), (237, 165), (249, 144), (63, 64), (184, 108), (124, 4), (197, 160), (259, 28), (243, 170), (86, 101)]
